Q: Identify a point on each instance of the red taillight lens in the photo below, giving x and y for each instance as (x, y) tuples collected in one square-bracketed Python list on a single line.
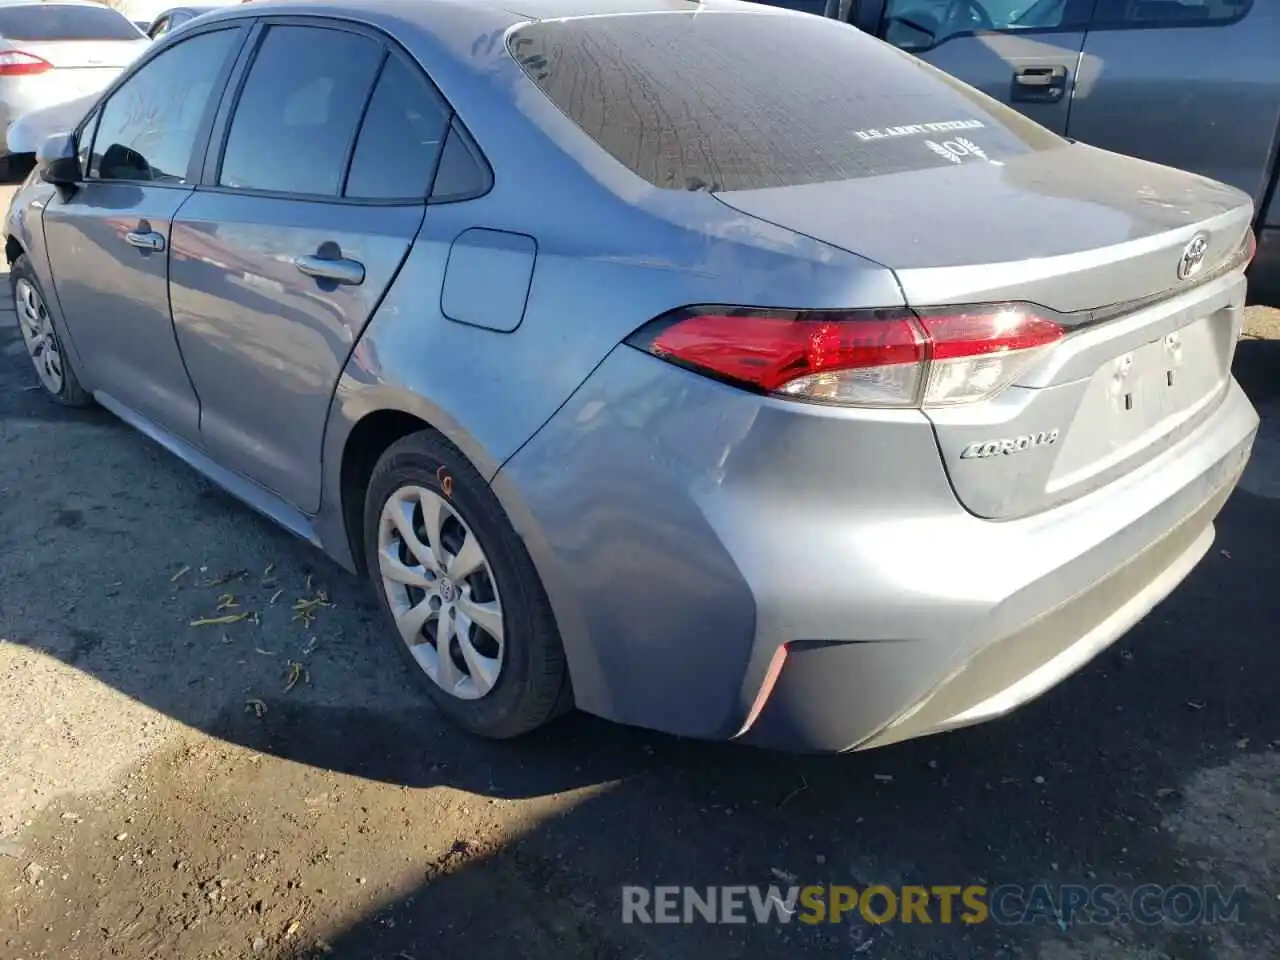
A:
[(768, 351), (859, 357), (1251, 247), (15, 63)]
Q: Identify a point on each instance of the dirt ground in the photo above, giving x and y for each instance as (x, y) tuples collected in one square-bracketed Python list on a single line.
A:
[(276, 787)]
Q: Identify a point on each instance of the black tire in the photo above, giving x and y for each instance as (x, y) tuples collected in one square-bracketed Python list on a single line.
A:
[(533, 686), (72, 393)]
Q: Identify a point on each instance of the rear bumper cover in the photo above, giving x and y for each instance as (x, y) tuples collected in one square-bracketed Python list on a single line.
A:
[(686, 531), (810, 707)]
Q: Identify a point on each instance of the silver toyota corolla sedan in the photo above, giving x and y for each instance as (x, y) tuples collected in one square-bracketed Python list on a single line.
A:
[(712, 367)]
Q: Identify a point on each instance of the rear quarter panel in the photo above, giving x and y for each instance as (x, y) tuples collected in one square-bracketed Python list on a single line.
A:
[(602, 270)]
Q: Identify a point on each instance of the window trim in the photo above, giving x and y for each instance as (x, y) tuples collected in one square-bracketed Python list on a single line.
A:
[(234, 89), (199, 146), (364, 113)]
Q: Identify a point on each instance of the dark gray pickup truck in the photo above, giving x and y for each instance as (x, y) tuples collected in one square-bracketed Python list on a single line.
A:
[(1189, 83)]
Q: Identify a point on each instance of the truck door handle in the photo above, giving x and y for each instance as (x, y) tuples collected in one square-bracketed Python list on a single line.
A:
[(1042, 84), (145, 240), (337, 270)]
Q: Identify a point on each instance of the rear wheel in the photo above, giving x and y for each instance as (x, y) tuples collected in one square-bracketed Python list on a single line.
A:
[(53, 366), (467, 606)]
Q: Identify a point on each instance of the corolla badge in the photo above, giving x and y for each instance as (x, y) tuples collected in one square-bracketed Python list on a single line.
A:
[(981, 449), (1193, 256)]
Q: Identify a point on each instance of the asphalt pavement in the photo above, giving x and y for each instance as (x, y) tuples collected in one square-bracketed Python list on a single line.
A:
[(276, 787)]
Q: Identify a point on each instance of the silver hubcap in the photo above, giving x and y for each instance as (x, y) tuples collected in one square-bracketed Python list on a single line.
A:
[(442, 592), (37, 333)]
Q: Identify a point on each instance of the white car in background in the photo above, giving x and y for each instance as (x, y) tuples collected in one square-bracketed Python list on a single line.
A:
[(56, 53), (25, 134)]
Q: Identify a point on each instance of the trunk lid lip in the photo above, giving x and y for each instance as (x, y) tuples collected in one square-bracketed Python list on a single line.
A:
[(928, 287)]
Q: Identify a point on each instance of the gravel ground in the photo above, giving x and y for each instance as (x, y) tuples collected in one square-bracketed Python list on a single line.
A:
[(165, 791)]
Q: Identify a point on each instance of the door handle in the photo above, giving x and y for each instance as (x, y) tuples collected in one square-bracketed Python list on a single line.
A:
[(338, 270), (1042, 84), (145, 240)]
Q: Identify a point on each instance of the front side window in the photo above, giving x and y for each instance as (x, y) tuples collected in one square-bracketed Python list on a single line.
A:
[(149, 125), (298, 111), (920, 24)]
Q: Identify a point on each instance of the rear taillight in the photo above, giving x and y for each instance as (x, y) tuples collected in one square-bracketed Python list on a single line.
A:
[(1250, 247), (883, 358), (15, 63)]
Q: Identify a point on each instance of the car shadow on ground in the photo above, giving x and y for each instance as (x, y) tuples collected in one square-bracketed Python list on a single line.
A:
[(1085, 786)]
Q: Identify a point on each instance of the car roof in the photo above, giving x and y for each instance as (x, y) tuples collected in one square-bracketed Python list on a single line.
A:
[(423, 12)]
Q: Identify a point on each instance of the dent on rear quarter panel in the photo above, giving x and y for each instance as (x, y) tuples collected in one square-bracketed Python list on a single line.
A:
[(604, 267)]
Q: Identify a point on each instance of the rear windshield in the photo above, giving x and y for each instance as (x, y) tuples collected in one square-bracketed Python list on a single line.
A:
[(740, 101), (49, 21)]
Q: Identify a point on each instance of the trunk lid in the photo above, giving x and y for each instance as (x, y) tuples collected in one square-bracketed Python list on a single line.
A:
[(1097, 237)]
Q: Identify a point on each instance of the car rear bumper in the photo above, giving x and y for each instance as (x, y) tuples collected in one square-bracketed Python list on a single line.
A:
[(804, 712), (810, 707), (686, 533)]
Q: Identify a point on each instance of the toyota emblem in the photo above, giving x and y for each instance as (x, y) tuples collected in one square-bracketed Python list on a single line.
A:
[(1193, 256)]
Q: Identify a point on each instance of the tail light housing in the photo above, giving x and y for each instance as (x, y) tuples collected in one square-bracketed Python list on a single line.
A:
[(15, 63), (880, 358)]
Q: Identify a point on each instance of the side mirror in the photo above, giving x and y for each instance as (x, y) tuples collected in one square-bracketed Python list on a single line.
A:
[(58, 161)]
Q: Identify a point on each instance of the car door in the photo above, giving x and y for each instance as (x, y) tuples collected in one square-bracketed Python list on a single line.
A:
[(298, 229), (1193, 84), (108, 239), (1025, 53)]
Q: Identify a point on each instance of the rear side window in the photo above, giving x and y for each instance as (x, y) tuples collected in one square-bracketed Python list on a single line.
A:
[(53, 21), (700, 101), (462, 174), (400, 137), (297, 114)]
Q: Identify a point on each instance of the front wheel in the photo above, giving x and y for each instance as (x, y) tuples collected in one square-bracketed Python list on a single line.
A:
[(469, 611), (44, 347)]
